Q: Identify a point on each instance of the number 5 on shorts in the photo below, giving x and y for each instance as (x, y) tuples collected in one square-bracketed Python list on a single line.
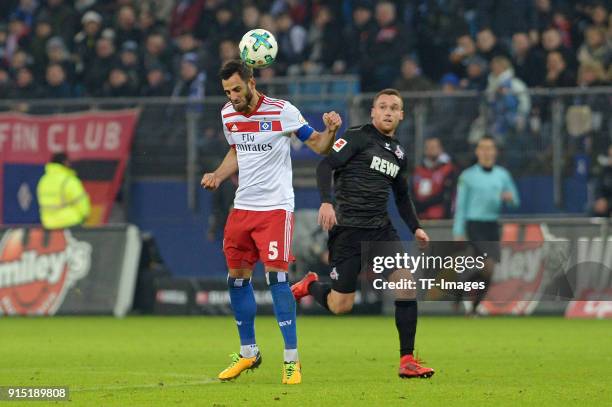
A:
[(273, 250)]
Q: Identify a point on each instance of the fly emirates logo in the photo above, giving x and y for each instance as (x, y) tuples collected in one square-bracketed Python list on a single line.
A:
[(249, 144)]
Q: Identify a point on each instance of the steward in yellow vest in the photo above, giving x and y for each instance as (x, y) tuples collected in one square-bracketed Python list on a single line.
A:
[(62, 199)]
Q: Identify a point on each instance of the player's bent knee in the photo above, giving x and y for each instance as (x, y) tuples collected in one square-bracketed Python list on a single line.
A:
[(340, 303), (240, 273)]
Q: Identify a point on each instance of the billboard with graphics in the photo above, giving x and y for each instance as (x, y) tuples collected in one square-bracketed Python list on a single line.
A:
[(72, 271)]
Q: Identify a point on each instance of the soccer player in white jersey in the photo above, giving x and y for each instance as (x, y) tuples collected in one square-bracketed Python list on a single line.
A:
[(259, 227)]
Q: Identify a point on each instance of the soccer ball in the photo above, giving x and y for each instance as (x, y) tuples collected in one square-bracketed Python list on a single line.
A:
[(258, 48)]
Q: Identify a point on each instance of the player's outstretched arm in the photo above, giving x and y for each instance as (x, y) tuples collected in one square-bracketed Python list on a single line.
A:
[(228, 167), (321, 142)]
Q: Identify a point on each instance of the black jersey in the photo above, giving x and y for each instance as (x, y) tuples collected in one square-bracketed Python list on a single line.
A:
[(366, 164)]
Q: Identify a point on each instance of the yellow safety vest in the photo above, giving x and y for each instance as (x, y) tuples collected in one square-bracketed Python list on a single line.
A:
[(62, 199)]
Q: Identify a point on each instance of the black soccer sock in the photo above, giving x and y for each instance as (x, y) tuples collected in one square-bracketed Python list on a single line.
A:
[(319, 291), (406, 323)]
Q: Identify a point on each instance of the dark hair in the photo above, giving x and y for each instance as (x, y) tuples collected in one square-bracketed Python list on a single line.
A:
[(388, 91), (235, 66), (59, 158)]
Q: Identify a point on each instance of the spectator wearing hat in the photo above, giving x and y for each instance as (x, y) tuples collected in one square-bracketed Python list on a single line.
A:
[(412, 79), (449, 83), (57, 53), (129, 62), (476, 74), (528, 61), (191, 81), (85, 40), (187, 43)]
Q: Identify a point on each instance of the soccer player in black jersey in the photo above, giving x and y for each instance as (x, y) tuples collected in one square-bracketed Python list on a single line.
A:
[(365, 162)]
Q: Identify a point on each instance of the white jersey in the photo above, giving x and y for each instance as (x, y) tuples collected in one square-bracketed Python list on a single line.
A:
[(262, 143)]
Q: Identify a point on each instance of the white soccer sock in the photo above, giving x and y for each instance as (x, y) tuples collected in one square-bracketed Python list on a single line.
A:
[(291, 355), (249, 351)]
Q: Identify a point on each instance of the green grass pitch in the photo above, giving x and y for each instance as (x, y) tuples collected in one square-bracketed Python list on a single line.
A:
[(157, 361)]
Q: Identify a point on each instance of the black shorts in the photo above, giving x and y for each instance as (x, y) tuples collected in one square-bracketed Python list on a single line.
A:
[(345, 252), (484, 237)]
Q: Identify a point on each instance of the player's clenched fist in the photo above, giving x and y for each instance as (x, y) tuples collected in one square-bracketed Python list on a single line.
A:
[(210, 181), (327, 216), (332, 121), (422, 238)]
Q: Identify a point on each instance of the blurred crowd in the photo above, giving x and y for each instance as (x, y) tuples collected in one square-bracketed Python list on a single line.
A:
[(114, 48)]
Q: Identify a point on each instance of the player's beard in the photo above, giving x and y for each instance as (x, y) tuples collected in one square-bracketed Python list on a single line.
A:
[(247, 102)]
